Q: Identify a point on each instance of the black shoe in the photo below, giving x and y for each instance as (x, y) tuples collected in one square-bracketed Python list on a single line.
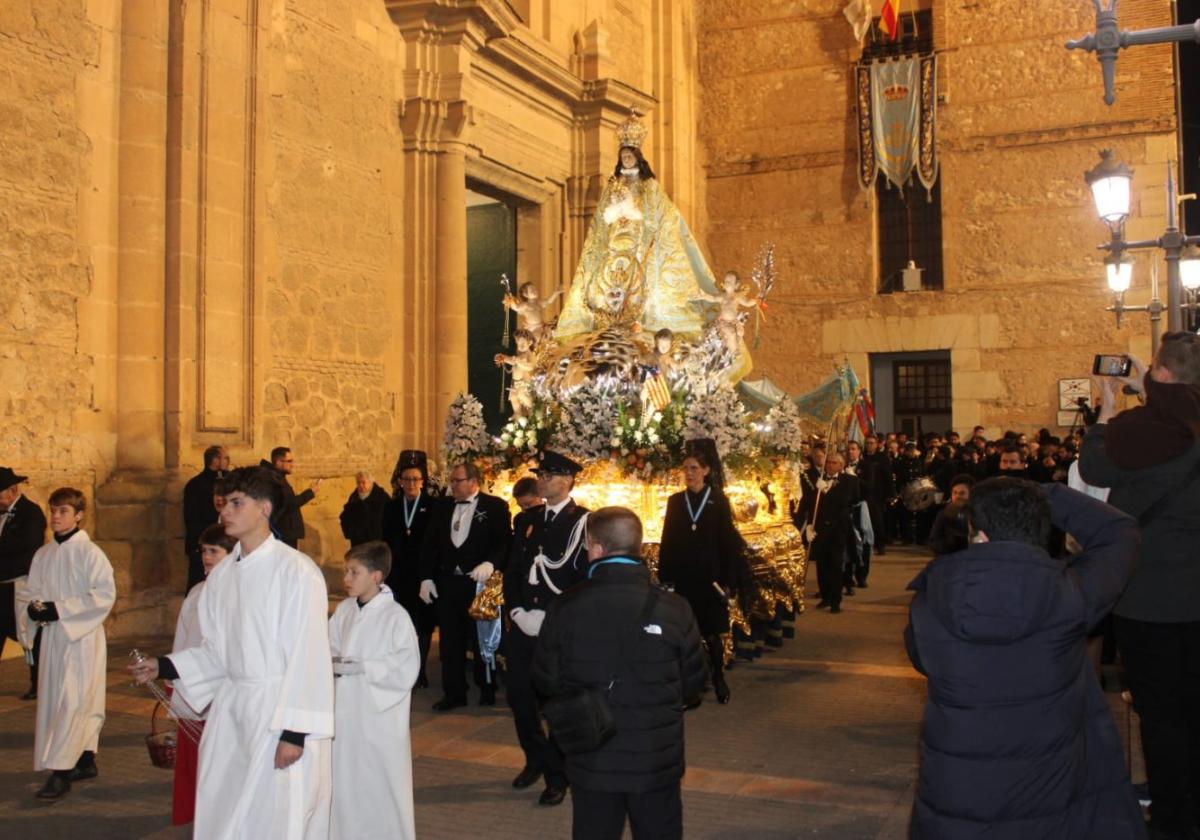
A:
[(526, 778), (822, 603), (862, 584), (56, 787), (31, 694), (487, 697), (422, 681), (446, 704), (836, 608), (552, 795), (849, 590), (722, 690), (81, 773)]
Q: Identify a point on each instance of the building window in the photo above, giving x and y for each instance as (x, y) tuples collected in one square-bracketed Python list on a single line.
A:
[(921, 387), (909, 221)]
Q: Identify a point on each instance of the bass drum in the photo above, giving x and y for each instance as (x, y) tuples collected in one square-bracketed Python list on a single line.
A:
[(919, 494)]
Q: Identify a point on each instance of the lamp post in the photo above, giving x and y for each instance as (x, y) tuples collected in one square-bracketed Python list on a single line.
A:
[(1110, 182), (1109, 39)]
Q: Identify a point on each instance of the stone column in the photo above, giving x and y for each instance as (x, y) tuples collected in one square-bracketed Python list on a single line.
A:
[(450, 293)]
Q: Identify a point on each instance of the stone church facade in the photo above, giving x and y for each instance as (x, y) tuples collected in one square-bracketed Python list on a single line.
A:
[(244, 221)]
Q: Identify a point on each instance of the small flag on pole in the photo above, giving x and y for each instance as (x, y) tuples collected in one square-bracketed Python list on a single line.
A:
[(889, 19), (656, 391)]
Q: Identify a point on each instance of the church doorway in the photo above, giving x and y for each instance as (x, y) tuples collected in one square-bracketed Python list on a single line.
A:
[(491, 252), (912, 392)]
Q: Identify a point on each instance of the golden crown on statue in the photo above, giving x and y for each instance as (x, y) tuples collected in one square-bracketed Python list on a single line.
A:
[(631, 132)]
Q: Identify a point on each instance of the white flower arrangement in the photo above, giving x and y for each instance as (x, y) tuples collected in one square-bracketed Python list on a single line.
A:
[(780, 430), (526, 434), (587, 423), (721, 416), (466, 433)]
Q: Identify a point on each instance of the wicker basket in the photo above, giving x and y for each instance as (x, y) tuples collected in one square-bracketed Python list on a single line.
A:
[(161, 745)]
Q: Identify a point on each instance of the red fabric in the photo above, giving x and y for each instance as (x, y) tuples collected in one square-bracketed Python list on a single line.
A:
[(183, 798), (888, 17)]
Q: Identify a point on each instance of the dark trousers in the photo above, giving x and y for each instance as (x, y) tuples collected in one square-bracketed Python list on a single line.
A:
[(829, 555), (8, 627), (458, 634), (1162, 662), (656, 815), (875, 508), (195, 568), (540, 751)]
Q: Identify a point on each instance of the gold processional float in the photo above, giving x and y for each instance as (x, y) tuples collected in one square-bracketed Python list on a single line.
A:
[(645, 355)]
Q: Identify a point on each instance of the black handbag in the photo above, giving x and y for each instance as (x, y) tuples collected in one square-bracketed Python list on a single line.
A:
[(581, 721)]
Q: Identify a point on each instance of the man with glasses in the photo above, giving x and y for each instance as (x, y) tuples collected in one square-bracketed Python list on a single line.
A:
[(289, 521), (468, 538)]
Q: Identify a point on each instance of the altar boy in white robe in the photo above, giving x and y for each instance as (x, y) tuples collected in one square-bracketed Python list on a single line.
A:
[(264, 667), (375, 662), (71, 592)]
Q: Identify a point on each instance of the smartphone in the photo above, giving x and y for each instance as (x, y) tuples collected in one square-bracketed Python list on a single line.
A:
[(1112, 364)]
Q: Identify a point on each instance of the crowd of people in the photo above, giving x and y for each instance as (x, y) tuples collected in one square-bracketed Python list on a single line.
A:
[(600, 663)]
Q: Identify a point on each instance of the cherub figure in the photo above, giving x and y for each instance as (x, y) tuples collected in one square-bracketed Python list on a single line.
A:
[(530, 309), (664, 352), (729, 317), (522, 365)]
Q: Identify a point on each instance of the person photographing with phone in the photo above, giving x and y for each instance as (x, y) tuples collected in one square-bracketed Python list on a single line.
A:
[(1149, 456)]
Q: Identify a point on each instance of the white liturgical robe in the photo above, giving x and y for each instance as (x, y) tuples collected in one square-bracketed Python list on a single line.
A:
[(263, 667), (78, 579), (372, 753), (187, 635)]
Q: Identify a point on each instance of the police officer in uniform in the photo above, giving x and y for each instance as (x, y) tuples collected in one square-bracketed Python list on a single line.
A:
[(549, 555)]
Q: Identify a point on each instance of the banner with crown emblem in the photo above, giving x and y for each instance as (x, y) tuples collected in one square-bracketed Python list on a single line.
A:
[(896, 101)]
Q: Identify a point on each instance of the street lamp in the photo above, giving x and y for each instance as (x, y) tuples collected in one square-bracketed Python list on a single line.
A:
[(1109, 39), (1189, 267), (1110, 181)]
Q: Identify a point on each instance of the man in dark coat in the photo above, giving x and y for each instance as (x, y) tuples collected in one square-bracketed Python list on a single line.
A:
[(22, 532), (199, 509), (362, 515), (879, 486), (548, 557), (823, 520), (289, 521), (1018, 741), (1150, 458), (616, 629), (468, 538)]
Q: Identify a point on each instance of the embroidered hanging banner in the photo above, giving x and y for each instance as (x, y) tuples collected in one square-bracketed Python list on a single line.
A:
[(897, 120)]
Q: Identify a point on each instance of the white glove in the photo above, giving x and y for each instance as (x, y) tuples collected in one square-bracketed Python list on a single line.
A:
[(428, 591), (823, 485), (347, 667), (530, 621), (482, 572), (810, 533)]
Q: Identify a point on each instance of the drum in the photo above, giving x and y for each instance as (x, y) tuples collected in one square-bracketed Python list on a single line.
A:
[(919, 494)]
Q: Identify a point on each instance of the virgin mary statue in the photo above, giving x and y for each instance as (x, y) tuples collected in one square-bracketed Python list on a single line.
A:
[(640, 263)]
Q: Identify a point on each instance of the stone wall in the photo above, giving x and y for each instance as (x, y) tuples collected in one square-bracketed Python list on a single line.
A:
[(56, 413), (1020, 120)]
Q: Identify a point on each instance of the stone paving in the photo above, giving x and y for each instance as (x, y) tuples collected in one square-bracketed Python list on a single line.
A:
[(819, 741)]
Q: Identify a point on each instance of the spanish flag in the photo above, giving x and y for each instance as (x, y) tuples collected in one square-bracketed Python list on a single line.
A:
[(889, 19)]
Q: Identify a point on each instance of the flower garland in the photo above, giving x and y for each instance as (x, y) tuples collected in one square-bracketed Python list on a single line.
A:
[(466, 435)]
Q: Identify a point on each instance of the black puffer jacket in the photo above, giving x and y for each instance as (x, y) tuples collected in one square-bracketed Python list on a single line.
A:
[(660, 669), (1018, 741)]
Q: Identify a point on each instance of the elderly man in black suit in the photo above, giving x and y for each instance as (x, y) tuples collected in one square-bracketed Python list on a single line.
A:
[(468, 539), (22, 532)]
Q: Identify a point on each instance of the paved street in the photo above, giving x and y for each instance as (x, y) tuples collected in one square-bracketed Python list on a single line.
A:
[(819, 741)]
